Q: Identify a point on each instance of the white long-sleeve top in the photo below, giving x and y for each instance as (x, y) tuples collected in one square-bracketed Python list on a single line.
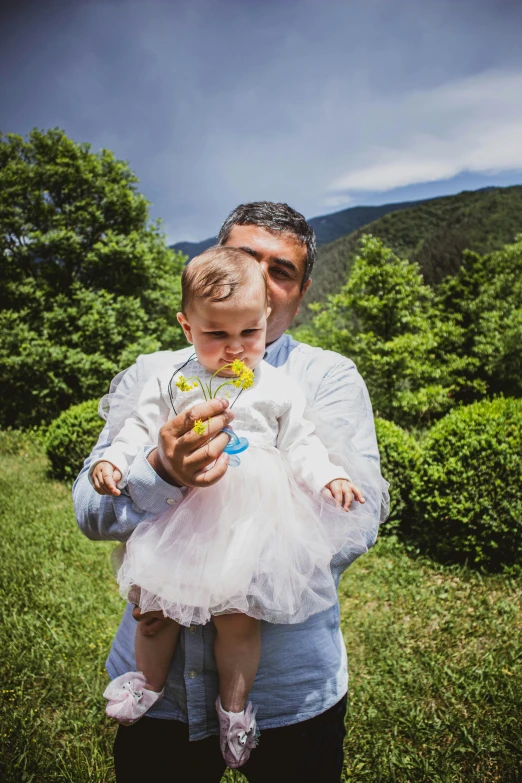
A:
[(269, 413)]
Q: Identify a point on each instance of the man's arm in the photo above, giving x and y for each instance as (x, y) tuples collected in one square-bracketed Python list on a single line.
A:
[(145, 495), (342, 413), (304, 452), (180, 458)]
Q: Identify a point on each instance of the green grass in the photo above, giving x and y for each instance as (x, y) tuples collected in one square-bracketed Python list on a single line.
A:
[(60, 608), (436, 671), (435, 654)]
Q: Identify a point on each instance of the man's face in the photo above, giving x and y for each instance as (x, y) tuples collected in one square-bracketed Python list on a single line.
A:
[(283, 260)]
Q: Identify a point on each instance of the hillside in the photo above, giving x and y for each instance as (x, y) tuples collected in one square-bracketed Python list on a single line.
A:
[(193, 249), (434, 233), (327, 228)]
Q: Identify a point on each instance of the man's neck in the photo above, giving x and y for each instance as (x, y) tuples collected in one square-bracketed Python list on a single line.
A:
[(268, 344)]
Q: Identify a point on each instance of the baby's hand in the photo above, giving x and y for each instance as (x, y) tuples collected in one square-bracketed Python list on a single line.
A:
[(105, 477), (343, 491)]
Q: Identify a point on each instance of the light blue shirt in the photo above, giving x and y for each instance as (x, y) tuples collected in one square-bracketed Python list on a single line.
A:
[(303, 667)]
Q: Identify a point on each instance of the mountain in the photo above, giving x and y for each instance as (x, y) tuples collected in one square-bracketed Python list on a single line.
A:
[(193, 249), (434, 233), (327, 227)]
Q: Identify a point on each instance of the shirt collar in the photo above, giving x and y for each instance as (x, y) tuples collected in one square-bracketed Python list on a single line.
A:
[(273, 349)]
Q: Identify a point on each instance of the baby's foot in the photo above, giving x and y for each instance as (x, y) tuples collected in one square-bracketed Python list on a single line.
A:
[(128, 697), (237, 734)]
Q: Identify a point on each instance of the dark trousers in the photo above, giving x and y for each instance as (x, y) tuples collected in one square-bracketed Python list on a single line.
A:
[(159, 751)]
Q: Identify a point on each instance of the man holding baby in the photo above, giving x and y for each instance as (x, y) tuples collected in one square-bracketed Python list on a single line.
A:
[(301, 684)]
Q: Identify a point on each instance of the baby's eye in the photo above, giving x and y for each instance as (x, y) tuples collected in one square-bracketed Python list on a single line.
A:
[(249, 331), (217, 334)]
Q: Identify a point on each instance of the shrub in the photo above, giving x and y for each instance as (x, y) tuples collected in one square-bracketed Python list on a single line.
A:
[(71, 437), (467, 486), (400, 454)]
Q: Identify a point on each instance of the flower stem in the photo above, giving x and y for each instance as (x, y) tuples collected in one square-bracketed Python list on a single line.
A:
[(225, 367)]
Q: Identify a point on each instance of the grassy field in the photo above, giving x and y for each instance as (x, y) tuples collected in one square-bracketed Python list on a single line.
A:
[(435, 654)]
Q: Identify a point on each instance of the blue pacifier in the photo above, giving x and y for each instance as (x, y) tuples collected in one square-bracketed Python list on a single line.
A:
[(235, 446)]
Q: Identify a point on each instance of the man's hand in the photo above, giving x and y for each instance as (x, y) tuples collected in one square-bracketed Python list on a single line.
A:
[(343, 491), (182, 455), (105, 477)]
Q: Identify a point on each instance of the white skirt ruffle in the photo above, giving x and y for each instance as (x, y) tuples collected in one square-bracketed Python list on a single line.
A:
[(254, 543)]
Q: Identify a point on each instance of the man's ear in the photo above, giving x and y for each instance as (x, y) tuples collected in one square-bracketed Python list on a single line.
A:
[(182, 320)]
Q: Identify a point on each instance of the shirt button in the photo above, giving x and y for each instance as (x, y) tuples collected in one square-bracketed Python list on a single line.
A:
[(192, 674), (192, 629), (170, 501)]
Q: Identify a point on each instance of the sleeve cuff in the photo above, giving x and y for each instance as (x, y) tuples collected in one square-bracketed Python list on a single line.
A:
[(147, 490), (320, 481)]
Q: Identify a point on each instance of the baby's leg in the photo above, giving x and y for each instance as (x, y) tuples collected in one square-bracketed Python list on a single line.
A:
[(237, 650), (130, 695), (154, 652)]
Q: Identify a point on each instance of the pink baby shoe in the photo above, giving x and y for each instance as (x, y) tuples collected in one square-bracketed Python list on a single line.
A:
[(237, 734), (128, 697)]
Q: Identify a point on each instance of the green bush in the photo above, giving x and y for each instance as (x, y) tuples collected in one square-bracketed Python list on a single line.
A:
[(467, 489), (71, 437), (400, 454)]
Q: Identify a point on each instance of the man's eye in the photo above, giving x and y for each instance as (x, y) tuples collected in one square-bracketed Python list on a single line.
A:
[(279, 272)]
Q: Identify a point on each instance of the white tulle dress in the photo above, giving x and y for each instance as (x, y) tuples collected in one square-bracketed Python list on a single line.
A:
[(260, 540)]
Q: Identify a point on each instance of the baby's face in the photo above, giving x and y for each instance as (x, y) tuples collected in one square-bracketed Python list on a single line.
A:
[(224, 331)]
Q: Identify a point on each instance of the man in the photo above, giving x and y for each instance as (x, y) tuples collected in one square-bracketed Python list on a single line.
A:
[(301, 684)]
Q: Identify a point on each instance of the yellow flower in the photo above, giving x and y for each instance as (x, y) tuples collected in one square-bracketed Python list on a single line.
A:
[(182, 384), (238, 366), (245, 375), (199, 427), (246, 378)]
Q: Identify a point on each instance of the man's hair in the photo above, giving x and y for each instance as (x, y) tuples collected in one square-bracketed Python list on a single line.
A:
[(221, 273), (274, 218)]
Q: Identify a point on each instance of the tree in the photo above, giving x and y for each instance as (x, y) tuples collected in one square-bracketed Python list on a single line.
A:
[(486, 299), (385, 318), (87, 281)]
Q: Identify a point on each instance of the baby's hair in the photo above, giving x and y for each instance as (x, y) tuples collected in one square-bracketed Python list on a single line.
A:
[(221, 273)]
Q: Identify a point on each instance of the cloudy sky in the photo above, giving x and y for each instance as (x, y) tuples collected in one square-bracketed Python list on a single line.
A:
[(320, 103)]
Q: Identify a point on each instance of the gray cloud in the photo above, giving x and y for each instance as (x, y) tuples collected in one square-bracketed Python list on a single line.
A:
[(214, 103)]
